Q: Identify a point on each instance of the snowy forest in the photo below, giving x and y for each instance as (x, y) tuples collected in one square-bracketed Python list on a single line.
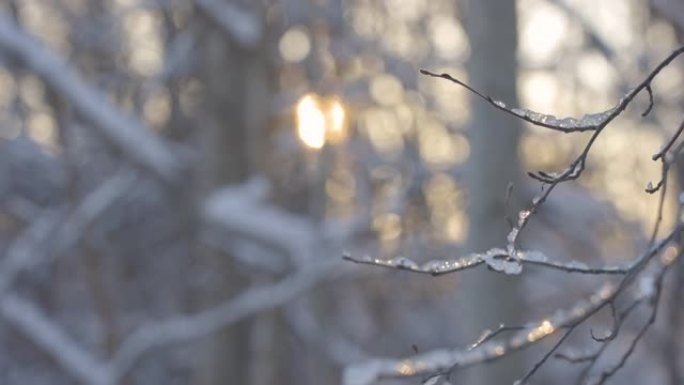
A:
[(341, 192)]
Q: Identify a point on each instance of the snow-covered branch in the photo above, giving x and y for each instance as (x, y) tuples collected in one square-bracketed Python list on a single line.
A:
[(158, 334), (52, 339), (496, 259), (241, 212), (56, 230), (442, 361), (243, 26), (122, 130)]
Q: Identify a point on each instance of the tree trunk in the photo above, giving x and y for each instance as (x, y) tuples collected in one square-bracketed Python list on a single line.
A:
[(491, 298), (235, 83)]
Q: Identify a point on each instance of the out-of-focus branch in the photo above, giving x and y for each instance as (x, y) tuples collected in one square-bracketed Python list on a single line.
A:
[(125, 132), (52, 339), (241, 212), (305, 325), (164, 333), (49, 236), (241, 25), (56, 231), (672, 10)]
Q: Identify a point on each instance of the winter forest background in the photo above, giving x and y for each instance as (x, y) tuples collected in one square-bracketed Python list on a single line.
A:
[(185, 186)]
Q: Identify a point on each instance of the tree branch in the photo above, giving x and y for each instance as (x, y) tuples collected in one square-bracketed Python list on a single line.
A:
[(125, 132)]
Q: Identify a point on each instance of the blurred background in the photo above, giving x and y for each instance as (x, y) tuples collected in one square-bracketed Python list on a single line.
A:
[(161, 158)]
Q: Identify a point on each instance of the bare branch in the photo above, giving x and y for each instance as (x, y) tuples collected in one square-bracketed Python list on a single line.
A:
[(546, 356), (589, 122), (668, 146)]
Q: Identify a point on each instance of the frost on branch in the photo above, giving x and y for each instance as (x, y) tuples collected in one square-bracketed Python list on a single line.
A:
[(439, 364), (496, 259), (588, 122)]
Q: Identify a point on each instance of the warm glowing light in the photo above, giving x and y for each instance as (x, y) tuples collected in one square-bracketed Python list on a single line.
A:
[(388, 226), (386, 89), (142, 33), (406, 369), (320, 120), (42, 129), (157, 109), (341, 186), (295, 45), (380, 126), (670, 255), (336, 129), (457, 227), (543, 29), (310, 122), (543, 330), (447, 36)]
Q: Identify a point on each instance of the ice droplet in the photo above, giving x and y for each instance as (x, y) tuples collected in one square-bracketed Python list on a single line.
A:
[(519, 112)]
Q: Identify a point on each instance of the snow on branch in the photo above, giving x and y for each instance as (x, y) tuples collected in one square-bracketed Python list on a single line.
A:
[(496, 259), (52, 339), (441, 362), (588, 122), (242, 26), (241, 211), (124, 131), (157, 334), (163, 333), (55, 231)]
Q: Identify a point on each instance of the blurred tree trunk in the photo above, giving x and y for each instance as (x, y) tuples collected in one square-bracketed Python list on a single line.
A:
[(491, 298), (235, 81), (674, 314)]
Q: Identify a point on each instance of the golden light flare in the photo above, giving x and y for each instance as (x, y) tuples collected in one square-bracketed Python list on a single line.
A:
[(310, 122), (543, 28), (142, 31), (341, 186), (295, 44), (388, 226), (544, 329), (405, 368), (42, 128), (670, 255), (337, 118), (386, 90), (321, 120), (448, 37), (380, 127)]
